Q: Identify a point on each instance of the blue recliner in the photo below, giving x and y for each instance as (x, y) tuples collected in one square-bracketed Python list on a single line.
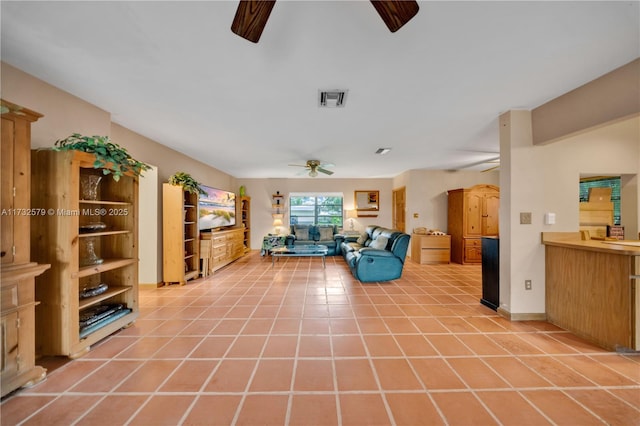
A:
[(378, 255)]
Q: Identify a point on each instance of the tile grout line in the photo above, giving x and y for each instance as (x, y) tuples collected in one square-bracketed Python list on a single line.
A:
[(259, 358)]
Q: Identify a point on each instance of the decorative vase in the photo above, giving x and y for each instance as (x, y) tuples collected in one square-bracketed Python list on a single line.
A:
[(89, 186), (242, 190), (88, 254)]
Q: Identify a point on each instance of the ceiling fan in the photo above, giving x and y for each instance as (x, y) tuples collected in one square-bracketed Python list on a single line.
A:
[(489, 164), (495, 165), (252, 15), (315, 166)]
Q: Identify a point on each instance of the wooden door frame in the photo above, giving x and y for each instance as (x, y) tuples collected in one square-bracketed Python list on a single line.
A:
[(394, 208)]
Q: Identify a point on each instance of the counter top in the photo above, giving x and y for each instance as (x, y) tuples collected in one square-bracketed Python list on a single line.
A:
[(572, 240)]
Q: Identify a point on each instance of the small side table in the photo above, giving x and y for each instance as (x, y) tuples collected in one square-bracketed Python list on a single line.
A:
[(427, 249), (270, 242)]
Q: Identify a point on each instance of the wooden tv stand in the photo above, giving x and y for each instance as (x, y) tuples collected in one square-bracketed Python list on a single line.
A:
[(224, 247)]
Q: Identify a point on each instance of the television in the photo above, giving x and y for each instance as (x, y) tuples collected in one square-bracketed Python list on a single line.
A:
[(216, 209)]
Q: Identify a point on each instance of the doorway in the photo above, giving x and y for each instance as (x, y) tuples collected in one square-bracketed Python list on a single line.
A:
[(398, 208)]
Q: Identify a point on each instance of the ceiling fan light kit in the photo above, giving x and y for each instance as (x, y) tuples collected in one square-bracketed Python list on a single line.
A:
[(252, 15), (315, 166)]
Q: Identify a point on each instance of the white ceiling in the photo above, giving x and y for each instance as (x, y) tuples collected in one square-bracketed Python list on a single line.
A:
[(174, 72)]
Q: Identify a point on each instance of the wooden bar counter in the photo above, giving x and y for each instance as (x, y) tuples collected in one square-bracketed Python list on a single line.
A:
[(591, 288)]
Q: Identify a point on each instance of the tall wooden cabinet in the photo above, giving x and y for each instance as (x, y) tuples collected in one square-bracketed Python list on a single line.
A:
[(472, 214), (89, 235), (17, 271), (180, 244), (245, 221)]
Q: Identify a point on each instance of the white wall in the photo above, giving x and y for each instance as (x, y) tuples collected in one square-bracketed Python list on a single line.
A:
[(546, 179)]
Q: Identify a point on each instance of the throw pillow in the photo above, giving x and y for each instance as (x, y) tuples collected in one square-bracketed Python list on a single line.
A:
[(326, 233), (379, 243), (362, 238), (302, 233)]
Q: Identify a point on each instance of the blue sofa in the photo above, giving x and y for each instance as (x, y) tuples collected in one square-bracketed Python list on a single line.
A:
[(326, 235), (378, 255)]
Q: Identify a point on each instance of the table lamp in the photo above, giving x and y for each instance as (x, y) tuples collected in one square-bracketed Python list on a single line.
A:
[(277, 223), (351, 214)]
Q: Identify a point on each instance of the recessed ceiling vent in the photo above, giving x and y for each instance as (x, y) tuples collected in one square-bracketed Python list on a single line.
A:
[(332, 98)]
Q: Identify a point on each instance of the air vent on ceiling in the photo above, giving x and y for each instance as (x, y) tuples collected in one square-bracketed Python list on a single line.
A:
[(332, 98)]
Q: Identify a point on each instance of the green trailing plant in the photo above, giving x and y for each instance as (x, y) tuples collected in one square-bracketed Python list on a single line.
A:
[(110, 157), (187, 182)]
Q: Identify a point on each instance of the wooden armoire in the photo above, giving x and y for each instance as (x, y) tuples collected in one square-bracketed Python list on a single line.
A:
[(473, 214), (17, 269)]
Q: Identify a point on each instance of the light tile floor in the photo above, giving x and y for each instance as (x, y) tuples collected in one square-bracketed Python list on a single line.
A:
[(301, 345)]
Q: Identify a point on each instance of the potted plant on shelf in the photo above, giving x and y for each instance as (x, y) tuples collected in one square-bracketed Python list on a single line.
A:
[(111, 157), (187, 182)]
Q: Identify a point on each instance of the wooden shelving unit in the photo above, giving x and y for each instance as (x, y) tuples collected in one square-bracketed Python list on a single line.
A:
[(17, 271), (245, 221), (277, 206), (81, 259), (180, 244)]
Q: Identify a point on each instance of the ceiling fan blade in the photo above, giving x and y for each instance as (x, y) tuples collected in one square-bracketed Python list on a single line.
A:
[(395, 13), (325, 171), (251, 17), (491, 169)]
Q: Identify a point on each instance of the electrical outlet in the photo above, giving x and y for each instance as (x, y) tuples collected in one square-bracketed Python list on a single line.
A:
[(525, 218), (527, 284)]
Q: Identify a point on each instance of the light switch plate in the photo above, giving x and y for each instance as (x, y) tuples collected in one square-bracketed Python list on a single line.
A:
[(525, 218), (550, 219)]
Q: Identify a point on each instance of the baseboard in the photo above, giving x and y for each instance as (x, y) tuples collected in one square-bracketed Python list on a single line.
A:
[(154, 285), (522, 316)]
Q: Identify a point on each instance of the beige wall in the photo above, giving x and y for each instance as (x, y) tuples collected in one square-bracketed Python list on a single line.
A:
[(595, 129), (427, 194), (168, 160), (260, 191), (613, 96), (65, 114), (545, 179)]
